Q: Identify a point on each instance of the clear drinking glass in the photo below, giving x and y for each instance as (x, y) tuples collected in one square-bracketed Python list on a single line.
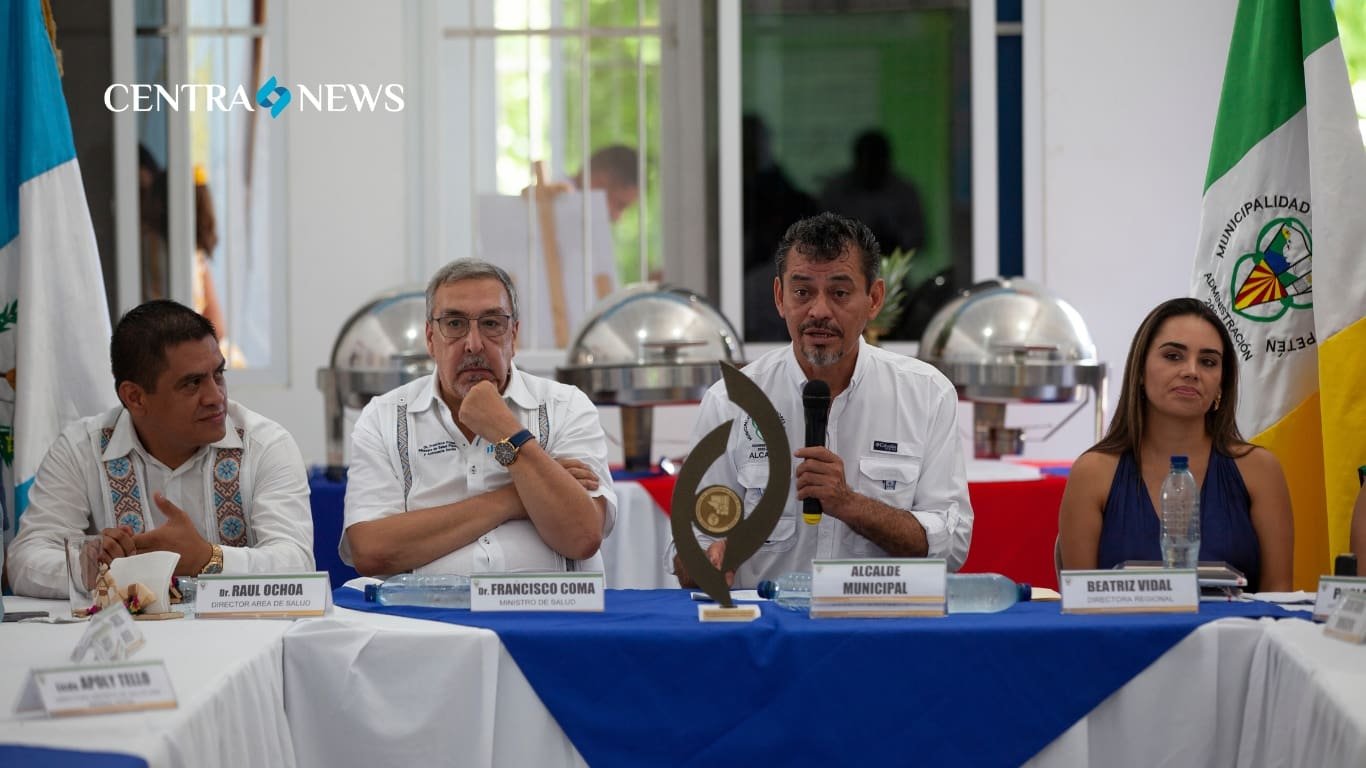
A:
[(82, 569)]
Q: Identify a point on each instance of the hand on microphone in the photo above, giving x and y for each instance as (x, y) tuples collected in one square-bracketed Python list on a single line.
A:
[(820, 475)]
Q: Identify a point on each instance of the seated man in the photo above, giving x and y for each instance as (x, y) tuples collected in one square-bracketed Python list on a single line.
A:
[(891, 478), (177, 467), (478, 467)]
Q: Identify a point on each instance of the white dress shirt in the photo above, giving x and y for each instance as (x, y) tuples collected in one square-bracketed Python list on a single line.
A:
[(70, 496), (444, 467), (896, 429)]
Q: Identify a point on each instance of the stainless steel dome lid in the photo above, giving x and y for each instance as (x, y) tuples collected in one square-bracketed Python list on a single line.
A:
[(1011, 339), (649, 344), (381, 346)]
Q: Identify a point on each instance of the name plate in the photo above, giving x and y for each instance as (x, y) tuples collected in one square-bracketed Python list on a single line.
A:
[(1172, 590), (877, 588), (111, 635), (263, 596), (537, 592), (98, 690), (1331, 591), (1348, 620)]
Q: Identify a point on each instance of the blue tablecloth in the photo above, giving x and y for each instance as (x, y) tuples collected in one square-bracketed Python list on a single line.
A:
[(646, 684), (327, 498), (47, 757)]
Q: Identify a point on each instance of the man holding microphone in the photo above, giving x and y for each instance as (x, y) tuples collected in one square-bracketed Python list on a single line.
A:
[(885, 475)]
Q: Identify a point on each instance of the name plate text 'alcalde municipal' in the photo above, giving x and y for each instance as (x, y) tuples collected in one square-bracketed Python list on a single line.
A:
[(1158, 591), (263, 596), (877, 588), (537, 591)]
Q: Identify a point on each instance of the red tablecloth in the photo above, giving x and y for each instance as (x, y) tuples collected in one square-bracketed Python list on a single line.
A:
[(1013, 531), (1014, 528)]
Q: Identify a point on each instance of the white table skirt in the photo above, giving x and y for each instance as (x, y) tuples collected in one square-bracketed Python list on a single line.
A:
[(367, 689), (228, 682), (1306, 701), (636, 551)]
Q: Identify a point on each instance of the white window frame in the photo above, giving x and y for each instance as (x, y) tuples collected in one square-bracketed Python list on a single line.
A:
[(180, 184)]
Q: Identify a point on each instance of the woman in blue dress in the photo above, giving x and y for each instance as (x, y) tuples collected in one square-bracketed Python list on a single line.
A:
[(1179, 397)]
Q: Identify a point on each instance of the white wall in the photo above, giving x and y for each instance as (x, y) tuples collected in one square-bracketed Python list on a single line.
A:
[(346, 205), (1127, 96)]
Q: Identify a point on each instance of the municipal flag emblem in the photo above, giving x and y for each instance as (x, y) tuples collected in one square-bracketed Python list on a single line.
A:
[(1278, 276)]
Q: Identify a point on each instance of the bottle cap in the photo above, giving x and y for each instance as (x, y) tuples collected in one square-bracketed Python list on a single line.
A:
[(767, 589), (372, 593), (1026, 593), (1180, 462)]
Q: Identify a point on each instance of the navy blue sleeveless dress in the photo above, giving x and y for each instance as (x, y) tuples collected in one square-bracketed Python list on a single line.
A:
[(1130, 529)]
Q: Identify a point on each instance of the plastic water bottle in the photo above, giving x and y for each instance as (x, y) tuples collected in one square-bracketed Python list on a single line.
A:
[(984, 593), (438, 590), (1180, 517), (791, 590), (967, 592)]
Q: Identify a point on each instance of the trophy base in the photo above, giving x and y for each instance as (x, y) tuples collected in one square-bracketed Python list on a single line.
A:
[(722, 613)]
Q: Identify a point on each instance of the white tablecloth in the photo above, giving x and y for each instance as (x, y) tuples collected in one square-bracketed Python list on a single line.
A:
[(1306, 700), (412, 692), (367, 689), (635, 552), (228, 681)]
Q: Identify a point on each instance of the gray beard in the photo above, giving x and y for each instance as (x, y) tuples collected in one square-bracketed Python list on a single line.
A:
[(822, 359)]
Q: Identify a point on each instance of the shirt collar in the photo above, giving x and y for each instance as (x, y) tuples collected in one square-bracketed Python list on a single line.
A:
[(518, 392), (125, 438)]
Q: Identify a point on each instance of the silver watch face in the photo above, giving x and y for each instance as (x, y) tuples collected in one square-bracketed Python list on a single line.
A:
[(504, 453)]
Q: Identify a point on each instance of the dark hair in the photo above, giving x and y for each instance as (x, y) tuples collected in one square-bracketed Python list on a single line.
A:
[(1126, 429), (826, 237), (137, 351), (205, 223), (618, 161)]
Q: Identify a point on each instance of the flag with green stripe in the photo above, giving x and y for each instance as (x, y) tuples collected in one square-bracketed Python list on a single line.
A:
[(1282, 259)]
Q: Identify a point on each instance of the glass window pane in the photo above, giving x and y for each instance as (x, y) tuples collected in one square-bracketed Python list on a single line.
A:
[(860, 113), (150, 13), (608, 14), (523, 14)]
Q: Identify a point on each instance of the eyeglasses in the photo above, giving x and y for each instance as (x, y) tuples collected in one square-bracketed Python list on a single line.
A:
[(457, 327)]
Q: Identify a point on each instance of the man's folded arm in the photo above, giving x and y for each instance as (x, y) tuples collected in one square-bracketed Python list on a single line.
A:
[(382, 539)]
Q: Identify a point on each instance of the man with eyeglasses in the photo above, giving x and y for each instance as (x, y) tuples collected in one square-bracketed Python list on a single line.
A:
[(176, 467), (479, 467)]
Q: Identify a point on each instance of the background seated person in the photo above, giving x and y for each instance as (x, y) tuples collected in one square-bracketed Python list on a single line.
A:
[(1179, 397), (478, 467), (891, 479), (177, 467)]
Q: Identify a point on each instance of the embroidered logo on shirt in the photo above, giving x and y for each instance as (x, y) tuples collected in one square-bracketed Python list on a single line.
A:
[(441, 446), (883, 446), (889, 485)]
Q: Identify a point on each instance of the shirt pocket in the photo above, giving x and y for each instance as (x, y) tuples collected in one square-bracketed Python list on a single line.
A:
[(889, 479), (753, 477)]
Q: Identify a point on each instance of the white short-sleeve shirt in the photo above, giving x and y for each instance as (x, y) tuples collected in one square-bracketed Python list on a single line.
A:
[(407, 453), (895, 428)]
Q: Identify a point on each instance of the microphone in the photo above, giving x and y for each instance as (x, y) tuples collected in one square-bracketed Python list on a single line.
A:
[(816, 403)]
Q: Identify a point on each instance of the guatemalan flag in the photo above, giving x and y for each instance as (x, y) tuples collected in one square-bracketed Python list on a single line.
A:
[(1282, 259), (54, 321)]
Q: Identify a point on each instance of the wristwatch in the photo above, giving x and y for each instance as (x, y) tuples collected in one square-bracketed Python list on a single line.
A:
[(215, 564), (505, 450)]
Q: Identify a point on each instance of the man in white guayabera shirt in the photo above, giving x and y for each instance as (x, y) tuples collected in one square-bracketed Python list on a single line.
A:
[(479, 467), (176, 467)]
